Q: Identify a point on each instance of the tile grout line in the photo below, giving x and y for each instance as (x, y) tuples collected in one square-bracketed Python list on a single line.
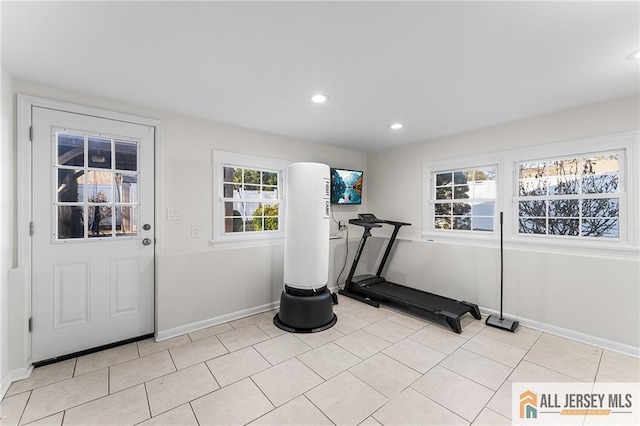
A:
[(146, 393), (211, 372), (595, 377), (304, 395), (194, 412), (263, 394), (173, 361), (24, 409)]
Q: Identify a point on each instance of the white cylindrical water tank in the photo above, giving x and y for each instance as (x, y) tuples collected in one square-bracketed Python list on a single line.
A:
[(306, 235)]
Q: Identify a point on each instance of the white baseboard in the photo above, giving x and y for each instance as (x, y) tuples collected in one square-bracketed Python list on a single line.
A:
[(14, 376), (571, 334), (194, 326)]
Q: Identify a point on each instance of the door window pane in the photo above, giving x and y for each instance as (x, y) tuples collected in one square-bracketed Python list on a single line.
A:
[(70, 222), (126, 221), (99, 152), (126, 155), (70, 186), (70, 150), (100, 220), (126, 188), (99, 187)]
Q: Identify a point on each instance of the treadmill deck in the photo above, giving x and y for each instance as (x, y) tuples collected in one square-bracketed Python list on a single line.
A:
[(386, 290)]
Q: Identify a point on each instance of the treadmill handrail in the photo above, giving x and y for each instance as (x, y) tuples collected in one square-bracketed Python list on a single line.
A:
[(368, 224), (378, 222)]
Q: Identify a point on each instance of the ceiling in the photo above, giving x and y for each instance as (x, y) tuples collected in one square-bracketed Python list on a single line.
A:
[(440, 68)]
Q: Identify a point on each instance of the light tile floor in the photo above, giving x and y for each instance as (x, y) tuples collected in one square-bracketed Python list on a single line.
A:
[(375, 366)]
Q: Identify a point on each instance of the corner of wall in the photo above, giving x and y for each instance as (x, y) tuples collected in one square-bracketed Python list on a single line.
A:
[(7, 207)]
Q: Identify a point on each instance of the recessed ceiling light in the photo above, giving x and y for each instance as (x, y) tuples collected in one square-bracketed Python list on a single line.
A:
[(635, 56), (396, 126), (319, 98)]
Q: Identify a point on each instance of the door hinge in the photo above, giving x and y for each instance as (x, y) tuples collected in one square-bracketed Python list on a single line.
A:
[(30, 324), (31, 133), (31, 229)]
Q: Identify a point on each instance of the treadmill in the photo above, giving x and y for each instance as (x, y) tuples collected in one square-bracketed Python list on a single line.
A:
[(373, 289)]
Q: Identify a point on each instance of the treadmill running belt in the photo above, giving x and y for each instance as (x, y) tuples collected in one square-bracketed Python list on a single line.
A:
[(417, 298)]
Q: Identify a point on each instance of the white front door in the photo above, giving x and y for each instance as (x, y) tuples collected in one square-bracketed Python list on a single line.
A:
[(93, 232)]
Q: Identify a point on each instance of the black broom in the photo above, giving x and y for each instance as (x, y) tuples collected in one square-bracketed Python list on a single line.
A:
[(492, 320)]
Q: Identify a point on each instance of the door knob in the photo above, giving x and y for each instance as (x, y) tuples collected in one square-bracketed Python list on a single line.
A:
[(146, 241)]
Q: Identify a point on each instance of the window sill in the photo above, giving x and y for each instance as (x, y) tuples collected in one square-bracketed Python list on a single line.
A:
[(602, 249), (230, 245)]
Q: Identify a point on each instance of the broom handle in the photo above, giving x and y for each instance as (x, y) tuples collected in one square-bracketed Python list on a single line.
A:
[(501, 268)]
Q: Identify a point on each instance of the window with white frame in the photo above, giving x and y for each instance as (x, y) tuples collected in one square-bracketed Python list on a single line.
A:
[(580, 196), (572, 196), (464, 199), (250, 197)]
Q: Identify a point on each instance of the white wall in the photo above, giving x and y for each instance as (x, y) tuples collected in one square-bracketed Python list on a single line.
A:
[(594, 296), (196, 283)]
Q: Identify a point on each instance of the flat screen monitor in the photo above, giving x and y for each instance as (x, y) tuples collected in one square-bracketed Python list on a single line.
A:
[(346, 186)]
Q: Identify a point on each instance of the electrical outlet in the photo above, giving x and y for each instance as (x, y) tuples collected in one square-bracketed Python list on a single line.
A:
[(195, 232)]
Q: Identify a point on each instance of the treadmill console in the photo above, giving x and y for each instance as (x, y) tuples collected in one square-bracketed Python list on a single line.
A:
[(368, 217)]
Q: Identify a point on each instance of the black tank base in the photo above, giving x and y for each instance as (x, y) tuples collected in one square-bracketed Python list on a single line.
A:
[(305, 311)]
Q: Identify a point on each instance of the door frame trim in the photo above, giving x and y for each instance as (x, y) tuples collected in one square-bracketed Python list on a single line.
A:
[(24, 170)]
